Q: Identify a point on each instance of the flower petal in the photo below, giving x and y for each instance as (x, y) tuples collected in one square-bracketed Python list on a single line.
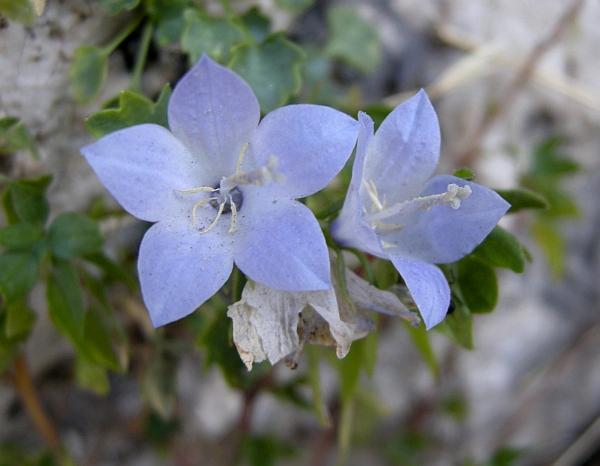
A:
[(428, 287), (350, 229), (179, 269), (281, 245), (404, 151), (141, 167), (443, 234), (311, 142), (214, 113)]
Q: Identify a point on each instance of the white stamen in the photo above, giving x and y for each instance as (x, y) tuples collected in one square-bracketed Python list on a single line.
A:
[(453, 196), (215, 221), (233, 217)]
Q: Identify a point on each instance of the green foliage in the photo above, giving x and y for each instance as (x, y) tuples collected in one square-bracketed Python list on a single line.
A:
[(214, 37), (520, 199), (420, 339), (134, 109), (160, 381), (24, 201), (501, 249), (74, 235), (478, 284), (295, 6), (114, 7), (266, 450), (14, 136), (19, 272), (465, 174), (257, 24), (20, 11), (458, 325), (168, 15), (19, 236), (352, 40), (271, 68), (88, 72)]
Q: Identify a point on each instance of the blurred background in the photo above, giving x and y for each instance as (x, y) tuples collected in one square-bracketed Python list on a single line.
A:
[(516, 85)]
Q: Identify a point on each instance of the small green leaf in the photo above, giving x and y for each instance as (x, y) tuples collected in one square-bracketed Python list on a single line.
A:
[(20, 11), (134, 109), (73, 235), (272, 69), (501, 249), (27, 201), (96, 337), (547, 161), (114, 7), (547, 235), (19, 272), (19, 319), (88, 72), (65, 301), (420, 339), (169, 18), (520, 199), (294, 6), (465, 174), (257, 24), (19, 236), (15, 136), (478, 285), (92, 376), (9, 209), (214, 37), (460, 326), (352, 40), (160, 381)]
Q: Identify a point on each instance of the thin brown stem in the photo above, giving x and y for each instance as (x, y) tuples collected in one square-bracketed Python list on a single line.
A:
[(521, 79), (23, 384)]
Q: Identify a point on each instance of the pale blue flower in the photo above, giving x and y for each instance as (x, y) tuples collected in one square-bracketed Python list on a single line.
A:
[(395, 210), (221, 189)]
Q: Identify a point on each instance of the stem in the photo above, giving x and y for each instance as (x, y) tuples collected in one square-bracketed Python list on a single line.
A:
[(142, 55), (24, 386), (112, 45)]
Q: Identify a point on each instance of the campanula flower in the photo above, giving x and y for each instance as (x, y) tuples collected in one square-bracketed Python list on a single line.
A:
[(396, 211), (220, 188)]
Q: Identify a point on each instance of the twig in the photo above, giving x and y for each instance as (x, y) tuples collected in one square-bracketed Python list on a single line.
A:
[(521, 79), (24, 386)]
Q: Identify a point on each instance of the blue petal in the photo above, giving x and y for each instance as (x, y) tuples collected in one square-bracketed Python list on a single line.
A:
[(280, 245), (443, 234), (214, 113), (428, 288), (404, 151), (141, 167), (180, 269), (350, 229), (311, 142)]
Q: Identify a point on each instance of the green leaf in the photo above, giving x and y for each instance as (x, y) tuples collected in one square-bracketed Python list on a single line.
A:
[(88, 72), (352, 40), (272, 69), (459, 323), (20, 236), (20, 11), (19, 320), (90, 375), (295, 6), (264, 450), (9, 210), (15, 136), (257, 24), (65, 301), (97, 338), (547, 161), (420, 339), (520, 199), (465, 174), (478, 284), (26, 201), (214, 37), (134, 109), (169, 19), (112, 270), (552, 243), (160, 381), (501, 249), (114, 7), (19, 272), (73, 235)]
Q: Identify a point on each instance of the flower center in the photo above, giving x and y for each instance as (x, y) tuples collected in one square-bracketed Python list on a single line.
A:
[(380, 211), (228, 197)]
